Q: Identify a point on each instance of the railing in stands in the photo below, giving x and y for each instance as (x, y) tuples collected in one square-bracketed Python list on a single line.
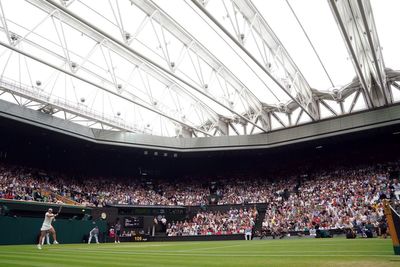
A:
[(63, 199)]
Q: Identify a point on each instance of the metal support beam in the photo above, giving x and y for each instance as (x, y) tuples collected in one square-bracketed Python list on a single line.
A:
[(103, 42), (356, 23), (292, 82), (50, 107), (265, 119), (278, 119), (234, 128), (328, 107), (99, 86), (341, 103), (355, 99), (396, 86), (98, 34), (189, 41), (184, 132), (223, 125)]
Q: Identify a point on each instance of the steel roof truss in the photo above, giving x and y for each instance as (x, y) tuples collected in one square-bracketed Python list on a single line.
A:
[(292, 83), (116, 45), (356, 23), (202, 56)]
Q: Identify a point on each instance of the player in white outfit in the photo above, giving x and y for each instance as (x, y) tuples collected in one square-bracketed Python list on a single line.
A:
[(47, 227), (94, 233)]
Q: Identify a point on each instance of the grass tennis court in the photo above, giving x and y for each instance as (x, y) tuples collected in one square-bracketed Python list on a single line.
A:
[(294, 252)]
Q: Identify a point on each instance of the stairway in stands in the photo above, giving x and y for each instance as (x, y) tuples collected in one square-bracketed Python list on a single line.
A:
[(60, 198), (260, 218)]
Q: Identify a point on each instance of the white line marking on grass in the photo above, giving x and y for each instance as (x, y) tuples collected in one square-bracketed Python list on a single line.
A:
[(119, 246), (211, 248), (107, 248), (246, 244), (240, 243), (178, 253)]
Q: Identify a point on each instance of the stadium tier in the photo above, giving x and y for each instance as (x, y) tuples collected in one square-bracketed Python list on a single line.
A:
[(337, 199)]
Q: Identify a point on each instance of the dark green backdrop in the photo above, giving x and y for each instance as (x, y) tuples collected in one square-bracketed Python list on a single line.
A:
[(22, 230)]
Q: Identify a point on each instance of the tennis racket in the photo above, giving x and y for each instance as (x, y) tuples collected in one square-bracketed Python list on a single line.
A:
[(59, 210)]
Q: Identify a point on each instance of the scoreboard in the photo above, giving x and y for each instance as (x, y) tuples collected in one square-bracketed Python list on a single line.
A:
[(133, 222)]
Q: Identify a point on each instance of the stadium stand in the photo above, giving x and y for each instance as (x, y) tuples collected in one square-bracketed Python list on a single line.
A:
[(324, 200), (235, 221)]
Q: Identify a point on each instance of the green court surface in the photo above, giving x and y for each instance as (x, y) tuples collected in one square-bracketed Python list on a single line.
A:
[(295, 252)]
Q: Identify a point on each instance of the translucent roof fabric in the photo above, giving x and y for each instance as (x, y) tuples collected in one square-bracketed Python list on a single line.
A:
[(192, 68)]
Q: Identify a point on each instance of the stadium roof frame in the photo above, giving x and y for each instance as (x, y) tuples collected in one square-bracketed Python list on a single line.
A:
[(230, 107)]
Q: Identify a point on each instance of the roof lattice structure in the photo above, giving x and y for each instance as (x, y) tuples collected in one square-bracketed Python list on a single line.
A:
[(194, 68)]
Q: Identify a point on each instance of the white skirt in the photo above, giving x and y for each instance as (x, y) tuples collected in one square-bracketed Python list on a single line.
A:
[(45, 228)]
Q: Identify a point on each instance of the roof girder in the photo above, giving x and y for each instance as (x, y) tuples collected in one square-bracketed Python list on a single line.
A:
[(150, 8), (116, 45), (357, 26), (40, 97), (50, 8), (100, 87), (296, 87)]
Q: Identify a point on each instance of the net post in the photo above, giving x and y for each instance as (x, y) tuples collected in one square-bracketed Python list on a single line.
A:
[(393, 230)]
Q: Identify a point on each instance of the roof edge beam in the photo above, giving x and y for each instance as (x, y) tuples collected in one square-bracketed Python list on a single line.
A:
[(27, 93)]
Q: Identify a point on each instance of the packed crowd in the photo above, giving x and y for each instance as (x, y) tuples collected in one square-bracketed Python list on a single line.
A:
[(27, 184), (18, 184), (234, 221), (346, 199), (297, 200)]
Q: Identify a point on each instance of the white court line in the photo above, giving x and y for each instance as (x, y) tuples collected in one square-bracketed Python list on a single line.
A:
[(99, 249), (242, 244), (227, 255), (121, 246), (178, 253), (34, 251), (266, 243), (257, 242), (211, 248)]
